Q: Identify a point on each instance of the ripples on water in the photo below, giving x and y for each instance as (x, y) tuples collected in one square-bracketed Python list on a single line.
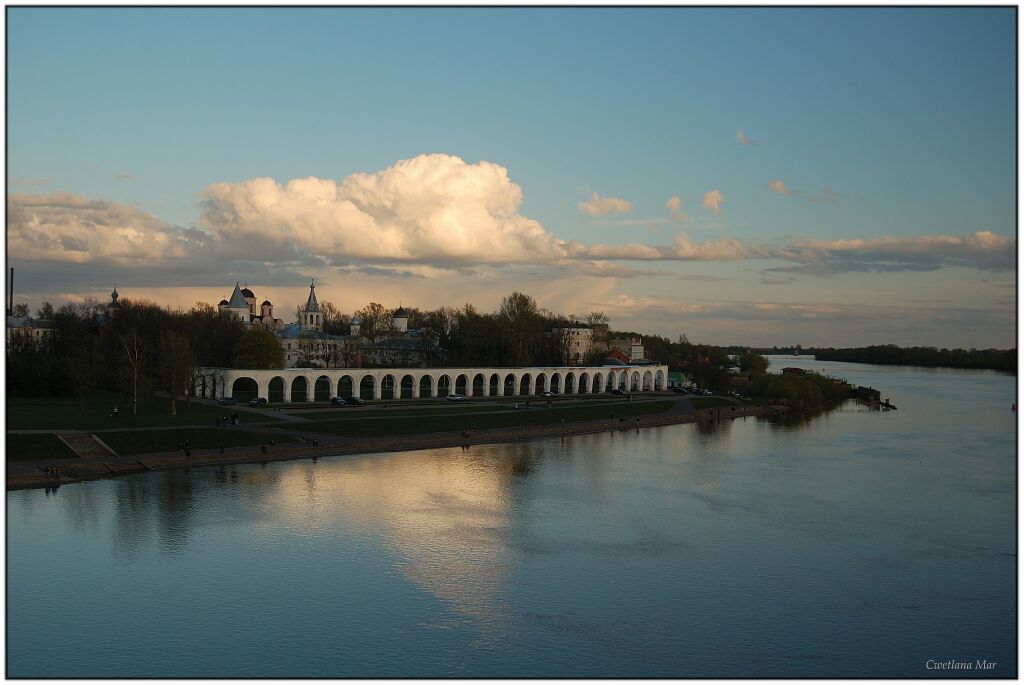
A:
[(856, 543)]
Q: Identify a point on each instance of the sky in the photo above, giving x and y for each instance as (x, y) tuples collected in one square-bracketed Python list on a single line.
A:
[(749, 176)]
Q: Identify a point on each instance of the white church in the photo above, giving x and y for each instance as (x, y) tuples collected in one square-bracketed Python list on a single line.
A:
[(305, 343)]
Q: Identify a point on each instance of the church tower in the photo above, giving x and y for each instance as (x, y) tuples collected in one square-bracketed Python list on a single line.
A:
[(311, 318)]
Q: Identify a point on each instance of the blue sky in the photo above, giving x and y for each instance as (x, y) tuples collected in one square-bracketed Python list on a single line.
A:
[(892, 130)]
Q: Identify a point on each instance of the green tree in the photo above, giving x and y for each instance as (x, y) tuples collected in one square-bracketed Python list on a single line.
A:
[(257, 348), (751, 362), (376, 321)]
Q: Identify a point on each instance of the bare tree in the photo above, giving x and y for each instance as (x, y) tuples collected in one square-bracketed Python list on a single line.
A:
[(175, 361), (133, 351)]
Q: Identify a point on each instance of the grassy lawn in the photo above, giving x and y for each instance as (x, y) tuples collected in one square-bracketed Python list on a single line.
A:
[(375, 411), (535, 416), (42, 446), (141, 442), (94, 413)]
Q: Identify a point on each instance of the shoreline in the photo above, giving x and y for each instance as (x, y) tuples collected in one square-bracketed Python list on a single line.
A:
[(33, 473)]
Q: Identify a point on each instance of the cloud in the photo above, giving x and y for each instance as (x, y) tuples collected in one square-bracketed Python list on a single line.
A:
[(431, 208), (777, 186), (675, 205), (741, 137), (682, 249), (30, 182), (980, 250), (63, 227), (599, 206), (825, 196), (713, 200), (123, 177)]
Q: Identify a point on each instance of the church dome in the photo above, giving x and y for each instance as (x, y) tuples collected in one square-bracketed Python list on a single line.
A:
[(400, 313), (356, 320), (223, 302), (267, 303), (247, 293)]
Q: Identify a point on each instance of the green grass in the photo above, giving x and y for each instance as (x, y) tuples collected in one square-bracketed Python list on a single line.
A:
[(375, 411), (40, 446), (406, 407), (94, 413), (142, 442), (535, 416)]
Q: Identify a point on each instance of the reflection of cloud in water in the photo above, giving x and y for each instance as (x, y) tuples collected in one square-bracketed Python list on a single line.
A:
[(447, 514)]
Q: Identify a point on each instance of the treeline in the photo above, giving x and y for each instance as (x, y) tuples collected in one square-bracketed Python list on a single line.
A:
[(142, 348), (999, 360), (809, 390)]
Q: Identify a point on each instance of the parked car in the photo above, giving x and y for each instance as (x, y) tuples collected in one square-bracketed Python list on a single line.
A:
[(338, 401), (225, 401), (356, 401), (681, 391), (258, 402), (549, 394), (456, 398), (618, 391)]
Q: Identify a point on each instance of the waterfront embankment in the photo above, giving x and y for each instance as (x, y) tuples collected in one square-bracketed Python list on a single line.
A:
[(307, 443)]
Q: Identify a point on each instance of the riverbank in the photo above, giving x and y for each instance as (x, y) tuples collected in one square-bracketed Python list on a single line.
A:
[(34, 473)]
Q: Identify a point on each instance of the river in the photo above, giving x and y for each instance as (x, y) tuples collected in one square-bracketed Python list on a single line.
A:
[(854, 543)]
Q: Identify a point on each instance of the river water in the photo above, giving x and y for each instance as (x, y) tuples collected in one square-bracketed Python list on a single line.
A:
[(856, 543)]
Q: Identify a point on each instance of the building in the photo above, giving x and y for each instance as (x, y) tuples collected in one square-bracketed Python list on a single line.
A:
[(242, 306), (631, 348), (578, 342)]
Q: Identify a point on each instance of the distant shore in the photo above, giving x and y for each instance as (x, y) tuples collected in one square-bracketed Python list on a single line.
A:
[(33, 474)]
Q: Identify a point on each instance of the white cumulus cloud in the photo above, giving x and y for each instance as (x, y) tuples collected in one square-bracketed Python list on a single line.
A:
[(599, 206), (713, 200), (675, 205), (429, 208), (777, 186)]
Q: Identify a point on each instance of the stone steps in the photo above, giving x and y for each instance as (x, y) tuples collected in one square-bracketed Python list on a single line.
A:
[(85, 446)]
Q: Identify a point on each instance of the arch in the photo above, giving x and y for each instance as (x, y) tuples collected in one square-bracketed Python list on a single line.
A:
[(345, 386), (275, 389), (541, 384), (367, 386), (299, 389), (244, 389), (495, 385), (406, 388), (570, 383), (444, 385), (322, 389), (659, 380), (621, 379), (426, 386), (461, 381), (556, 382), (634, 381), (648, 382), (479, 385), (510, 385), (524, 384), (387, 387), (584, 383), (598, 383)]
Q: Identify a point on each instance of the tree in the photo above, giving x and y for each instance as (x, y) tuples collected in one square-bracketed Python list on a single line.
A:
[(176, 363), (376, 321), (133, 351), (44, 312), (257, 348), (523, 325), (20, 310), (335, 322), (751, 362)]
